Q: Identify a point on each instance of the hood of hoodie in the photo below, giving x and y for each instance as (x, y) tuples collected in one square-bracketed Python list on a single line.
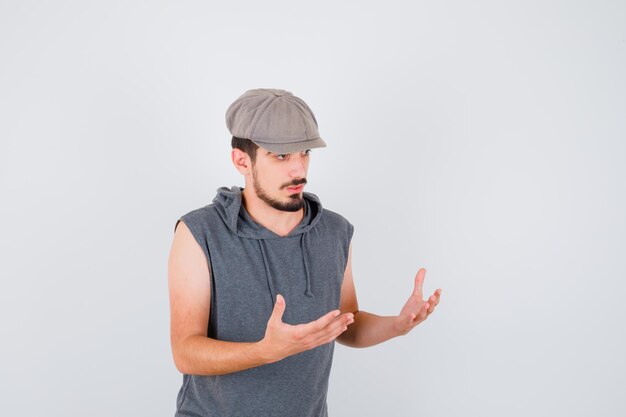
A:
[(228, 203)]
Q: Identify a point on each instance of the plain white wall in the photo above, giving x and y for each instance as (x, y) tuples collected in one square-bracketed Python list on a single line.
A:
[(484, 141)]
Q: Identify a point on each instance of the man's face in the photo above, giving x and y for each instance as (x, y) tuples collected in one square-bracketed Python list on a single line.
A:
[(273, 174)]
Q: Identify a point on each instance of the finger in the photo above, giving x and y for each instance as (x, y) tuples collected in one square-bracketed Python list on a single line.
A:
[(432, 300), (424, 311), (334, 330), (347, 319), (438, 295), (322, 322), (279, 309), (342, 322), (419, 282)]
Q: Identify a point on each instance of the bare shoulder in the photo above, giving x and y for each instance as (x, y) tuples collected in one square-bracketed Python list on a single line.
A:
[(189, 282)]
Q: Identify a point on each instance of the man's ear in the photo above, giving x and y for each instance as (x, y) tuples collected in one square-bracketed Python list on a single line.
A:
[(241, 160)]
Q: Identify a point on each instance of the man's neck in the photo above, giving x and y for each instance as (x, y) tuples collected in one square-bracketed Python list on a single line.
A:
[(278, 221)]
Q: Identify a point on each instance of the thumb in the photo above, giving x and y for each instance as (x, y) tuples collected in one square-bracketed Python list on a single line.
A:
[(279, 308)]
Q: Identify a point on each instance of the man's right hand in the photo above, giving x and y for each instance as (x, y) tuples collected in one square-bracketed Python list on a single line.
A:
[(282, 339)]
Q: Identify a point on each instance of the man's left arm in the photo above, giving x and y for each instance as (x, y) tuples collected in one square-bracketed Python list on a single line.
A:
[(370, 329)]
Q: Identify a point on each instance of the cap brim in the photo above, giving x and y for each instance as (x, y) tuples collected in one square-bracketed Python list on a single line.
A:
[(292, 146)]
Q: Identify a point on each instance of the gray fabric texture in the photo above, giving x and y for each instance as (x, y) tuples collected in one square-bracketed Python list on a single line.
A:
[(249, 266)]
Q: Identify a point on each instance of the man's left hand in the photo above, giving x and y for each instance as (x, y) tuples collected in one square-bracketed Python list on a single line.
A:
[(416, 309)]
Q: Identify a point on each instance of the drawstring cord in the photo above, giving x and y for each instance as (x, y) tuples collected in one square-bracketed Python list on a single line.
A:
[(308, 291), (268, 274)]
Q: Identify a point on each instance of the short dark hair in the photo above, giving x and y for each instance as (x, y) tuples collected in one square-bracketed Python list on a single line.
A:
[(246, 145)]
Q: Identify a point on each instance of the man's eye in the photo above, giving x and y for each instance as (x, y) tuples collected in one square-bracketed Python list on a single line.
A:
[(284, 155)]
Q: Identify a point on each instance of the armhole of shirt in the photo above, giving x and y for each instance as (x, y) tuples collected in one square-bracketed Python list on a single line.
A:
[(349, 234), (198, 236)]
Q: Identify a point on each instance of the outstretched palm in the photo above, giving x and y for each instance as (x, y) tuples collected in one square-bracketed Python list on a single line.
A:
[(416, 309)]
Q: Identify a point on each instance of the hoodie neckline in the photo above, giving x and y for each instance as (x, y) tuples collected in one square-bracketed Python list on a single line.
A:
[(229, 204)]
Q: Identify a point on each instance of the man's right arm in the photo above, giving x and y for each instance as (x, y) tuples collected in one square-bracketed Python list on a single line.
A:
[(189, 280)]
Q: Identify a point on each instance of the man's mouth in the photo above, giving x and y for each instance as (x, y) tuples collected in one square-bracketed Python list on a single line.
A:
[(296, 189)]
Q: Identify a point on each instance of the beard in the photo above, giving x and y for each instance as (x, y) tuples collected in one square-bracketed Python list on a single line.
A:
[(295, 202)]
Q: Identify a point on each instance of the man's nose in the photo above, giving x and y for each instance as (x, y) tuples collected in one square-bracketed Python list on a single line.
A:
[(298, 167)]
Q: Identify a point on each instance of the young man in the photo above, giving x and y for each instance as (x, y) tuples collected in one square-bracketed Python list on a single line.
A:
[(261, 281)]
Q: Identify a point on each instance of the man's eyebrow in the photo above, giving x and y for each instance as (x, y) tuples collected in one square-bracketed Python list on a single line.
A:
[(268, 153)]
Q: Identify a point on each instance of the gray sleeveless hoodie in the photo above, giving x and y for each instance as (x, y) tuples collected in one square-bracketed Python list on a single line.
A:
[(249, 265)]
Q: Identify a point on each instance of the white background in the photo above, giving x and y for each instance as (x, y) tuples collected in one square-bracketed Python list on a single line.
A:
[(484, 141)]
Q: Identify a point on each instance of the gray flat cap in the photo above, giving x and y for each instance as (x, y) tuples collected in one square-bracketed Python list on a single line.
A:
[(275, 120)]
